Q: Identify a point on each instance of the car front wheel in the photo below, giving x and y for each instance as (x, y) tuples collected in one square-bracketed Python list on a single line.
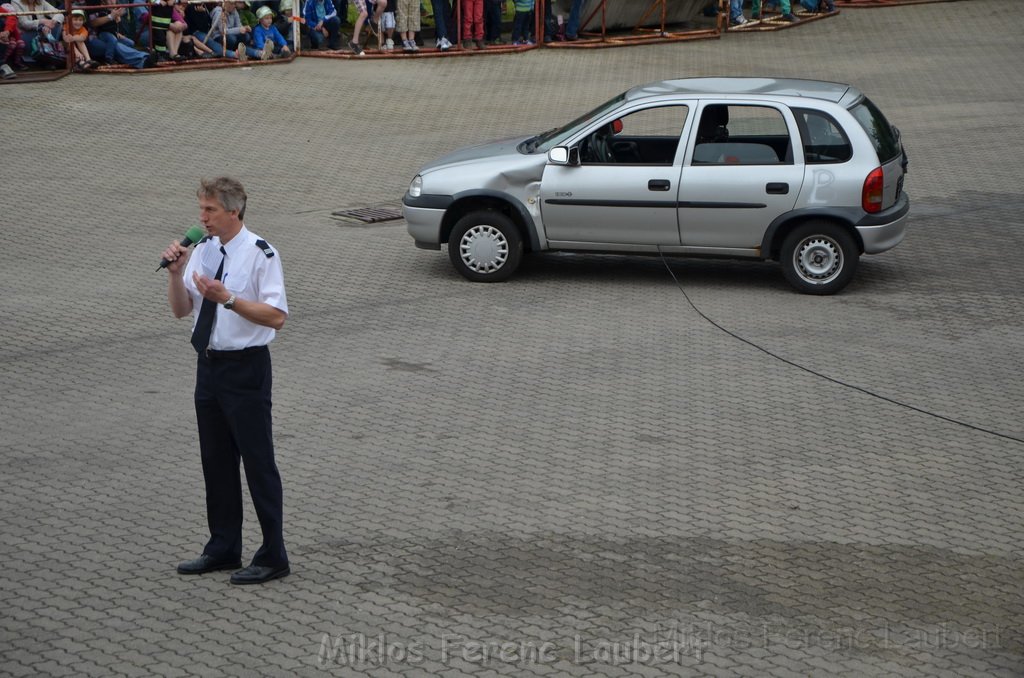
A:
[(485, 246), (818, 257)]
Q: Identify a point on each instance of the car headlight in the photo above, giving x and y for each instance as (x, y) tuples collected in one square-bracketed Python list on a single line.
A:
[(416, 187)]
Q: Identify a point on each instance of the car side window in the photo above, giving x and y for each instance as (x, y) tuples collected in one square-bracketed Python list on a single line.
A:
[(646, 137), (742, 135), (824, 141)]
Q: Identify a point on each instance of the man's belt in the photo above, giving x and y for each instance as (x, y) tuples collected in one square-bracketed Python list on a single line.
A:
[(235, 355)]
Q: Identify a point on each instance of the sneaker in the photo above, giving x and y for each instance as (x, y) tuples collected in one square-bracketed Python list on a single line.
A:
[(6, 72), (240, 54), (389, 45), (791, 18), (413, 47), (467, 44), (516, 43), (529, 43), (267, 53), (739, 21), (445, 44), (356, 49), (480, 44)]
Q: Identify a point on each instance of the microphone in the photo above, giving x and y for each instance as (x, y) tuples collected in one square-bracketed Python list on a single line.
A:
[(192, 236)]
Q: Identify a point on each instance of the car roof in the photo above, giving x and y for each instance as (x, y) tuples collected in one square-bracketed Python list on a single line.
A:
[(794, 87)]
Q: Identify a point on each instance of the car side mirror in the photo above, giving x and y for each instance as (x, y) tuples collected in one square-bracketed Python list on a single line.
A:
[(560, 155)]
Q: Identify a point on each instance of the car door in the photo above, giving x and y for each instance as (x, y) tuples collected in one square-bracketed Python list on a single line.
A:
[(623, 189), (742, 170)]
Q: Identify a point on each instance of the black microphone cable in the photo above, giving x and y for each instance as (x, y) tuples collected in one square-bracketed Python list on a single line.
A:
[(838, 382)]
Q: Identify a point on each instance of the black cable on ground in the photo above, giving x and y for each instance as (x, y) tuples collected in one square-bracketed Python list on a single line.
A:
[(826, 377)]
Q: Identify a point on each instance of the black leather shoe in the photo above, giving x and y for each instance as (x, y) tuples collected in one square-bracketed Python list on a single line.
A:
[(205, 563), (257, 574)]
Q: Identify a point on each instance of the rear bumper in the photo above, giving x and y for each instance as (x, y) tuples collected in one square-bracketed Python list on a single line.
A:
[(883, 231)]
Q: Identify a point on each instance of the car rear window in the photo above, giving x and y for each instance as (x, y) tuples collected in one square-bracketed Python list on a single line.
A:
[(878, 129)]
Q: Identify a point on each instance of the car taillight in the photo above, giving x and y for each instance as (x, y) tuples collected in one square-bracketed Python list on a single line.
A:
[(871, 198)]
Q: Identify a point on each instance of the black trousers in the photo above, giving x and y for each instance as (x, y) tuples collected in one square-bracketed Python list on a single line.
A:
[(233, 411)]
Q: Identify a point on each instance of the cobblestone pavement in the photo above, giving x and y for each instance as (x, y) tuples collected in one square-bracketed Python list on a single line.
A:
[(572, 473)]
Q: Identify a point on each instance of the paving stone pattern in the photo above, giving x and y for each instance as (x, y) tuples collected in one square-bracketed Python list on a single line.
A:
[(572, 473)]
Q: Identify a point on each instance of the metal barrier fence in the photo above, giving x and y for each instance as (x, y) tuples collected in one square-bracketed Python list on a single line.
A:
[(600, 26)]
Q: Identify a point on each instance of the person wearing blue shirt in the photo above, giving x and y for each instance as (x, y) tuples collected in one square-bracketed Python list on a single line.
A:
[(323, 23), (267, 40)]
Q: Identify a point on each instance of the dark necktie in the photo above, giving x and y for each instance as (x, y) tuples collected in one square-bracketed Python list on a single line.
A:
[(204, 325)]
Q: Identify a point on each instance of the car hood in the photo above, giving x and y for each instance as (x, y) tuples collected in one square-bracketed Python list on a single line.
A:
[(488, 151)]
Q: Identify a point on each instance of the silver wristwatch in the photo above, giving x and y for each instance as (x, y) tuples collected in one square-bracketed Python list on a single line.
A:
[(230, 303)]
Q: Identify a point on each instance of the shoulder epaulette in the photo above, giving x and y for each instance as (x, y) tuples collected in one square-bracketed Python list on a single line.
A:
[(265, 246)]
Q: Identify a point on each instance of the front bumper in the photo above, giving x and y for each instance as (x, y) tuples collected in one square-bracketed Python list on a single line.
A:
[(883, 231), (424, 217)]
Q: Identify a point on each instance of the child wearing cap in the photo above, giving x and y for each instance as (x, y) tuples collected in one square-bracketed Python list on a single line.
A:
[(75, 36), (267, 40)]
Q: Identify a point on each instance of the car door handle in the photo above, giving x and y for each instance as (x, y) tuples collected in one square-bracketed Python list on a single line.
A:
[(659, 185), (777, 188)]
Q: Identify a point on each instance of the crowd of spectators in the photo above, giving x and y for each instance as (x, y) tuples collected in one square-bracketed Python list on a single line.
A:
[(101, 32)]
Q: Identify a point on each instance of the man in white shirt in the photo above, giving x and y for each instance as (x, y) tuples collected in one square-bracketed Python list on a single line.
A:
[(233, 285)]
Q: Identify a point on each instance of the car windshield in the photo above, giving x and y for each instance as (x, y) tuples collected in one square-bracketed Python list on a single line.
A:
[(542, 143)]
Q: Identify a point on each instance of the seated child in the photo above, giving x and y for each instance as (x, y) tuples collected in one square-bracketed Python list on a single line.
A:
[(75, 37), (48, 50), (11, 44), (321, 18), (180, 33), (267, 40)]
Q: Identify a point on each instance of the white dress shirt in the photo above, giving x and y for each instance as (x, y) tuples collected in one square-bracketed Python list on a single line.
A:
[(250, 275)]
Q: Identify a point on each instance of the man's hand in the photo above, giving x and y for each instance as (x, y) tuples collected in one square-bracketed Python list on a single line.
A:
[(211, 289), (245, 29), (319, 26), (177, 255)]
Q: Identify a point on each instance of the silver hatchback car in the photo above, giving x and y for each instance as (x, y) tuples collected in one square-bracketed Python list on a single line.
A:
[(806, 173)]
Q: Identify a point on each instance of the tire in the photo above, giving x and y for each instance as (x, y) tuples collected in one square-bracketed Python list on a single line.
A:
[(819, 257), (485, 246)]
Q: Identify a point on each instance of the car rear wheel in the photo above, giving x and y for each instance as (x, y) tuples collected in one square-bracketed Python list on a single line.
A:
[(485, 246), (819, 257)]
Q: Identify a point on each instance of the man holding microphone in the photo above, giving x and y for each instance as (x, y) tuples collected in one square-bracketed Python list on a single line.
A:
[(233, 284)]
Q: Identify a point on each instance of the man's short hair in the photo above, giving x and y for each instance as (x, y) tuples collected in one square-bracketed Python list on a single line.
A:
[(225, 190)]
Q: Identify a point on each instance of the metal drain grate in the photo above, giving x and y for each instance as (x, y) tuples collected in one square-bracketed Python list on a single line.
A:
[(370, 215)]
